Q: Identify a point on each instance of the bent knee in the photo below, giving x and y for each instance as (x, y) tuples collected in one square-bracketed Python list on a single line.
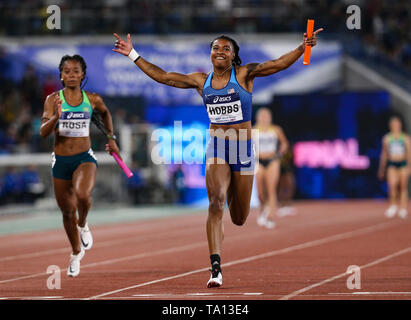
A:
[(217, 203), (68, 213), (83, 197), (238, 221), (393, 184)]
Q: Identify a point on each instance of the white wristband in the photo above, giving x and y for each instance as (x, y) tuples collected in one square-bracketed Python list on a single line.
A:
[(133, 55)]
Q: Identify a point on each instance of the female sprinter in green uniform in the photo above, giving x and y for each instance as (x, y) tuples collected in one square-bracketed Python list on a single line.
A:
[(271, 146), (226, 92), (67, 113), (396, 156)]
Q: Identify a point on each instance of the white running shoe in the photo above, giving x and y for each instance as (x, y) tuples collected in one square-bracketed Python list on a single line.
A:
[(391, 211), (216, 280), (286, 211), (85, 237), (403, 213), (261, 218), (74, 266), (269, 224)]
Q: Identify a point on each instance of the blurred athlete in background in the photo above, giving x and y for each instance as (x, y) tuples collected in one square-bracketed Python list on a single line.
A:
[(67, 114), (286, 185), (272, 144), (396, 158)]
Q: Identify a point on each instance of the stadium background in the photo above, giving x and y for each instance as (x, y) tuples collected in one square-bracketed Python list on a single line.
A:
[(337, 108)]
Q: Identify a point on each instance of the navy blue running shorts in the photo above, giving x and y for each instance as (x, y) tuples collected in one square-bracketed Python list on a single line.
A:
[(63, 167), (238, 154)]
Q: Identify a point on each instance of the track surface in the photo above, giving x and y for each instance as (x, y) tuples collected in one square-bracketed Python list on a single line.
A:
[(305, 257)]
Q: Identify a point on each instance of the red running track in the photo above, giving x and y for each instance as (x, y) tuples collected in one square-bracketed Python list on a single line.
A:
[(305, 257)]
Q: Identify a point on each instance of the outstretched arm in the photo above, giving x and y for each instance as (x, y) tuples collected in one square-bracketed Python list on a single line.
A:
[(173, 79), (272, 66)]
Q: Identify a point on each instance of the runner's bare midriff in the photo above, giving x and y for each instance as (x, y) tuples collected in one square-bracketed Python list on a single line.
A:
[(238, 131), (397, 158), (64, 146), (265, 156)]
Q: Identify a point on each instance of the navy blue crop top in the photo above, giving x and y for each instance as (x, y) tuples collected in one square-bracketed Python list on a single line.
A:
[(229, 105)]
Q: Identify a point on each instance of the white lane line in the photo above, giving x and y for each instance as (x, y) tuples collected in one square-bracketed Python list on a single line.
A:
[(370, 293), (35, 254), (110, 261), (253, 293), (101, 244), (318, 284), (261, 297), (202, 294), (126, 258), (223, 293), (31, 298), (304, 245)]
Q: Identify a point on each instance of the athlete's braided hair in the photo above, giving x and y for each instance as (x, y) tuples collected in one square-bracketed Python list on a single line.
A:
[(77, 58), (237, 59)]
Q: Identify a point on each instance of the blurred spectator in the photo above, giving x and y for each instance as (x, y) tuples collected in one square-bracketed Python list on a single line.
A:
[(33, 188), (8, 140), (4, 66), (21, 187), (12, 186), (23, 127), (50, 85), (119, 118), (135, 185), (286, 183), (178, 184), (30, 85)]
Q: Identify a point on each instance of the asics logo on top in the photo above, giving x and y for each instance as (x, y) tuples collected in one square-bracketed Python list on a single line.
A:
[(75, 115), (222, 99)]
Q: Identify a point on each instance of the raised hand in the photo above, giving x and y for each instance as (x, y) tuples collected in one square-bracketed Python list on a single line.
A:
[(122, 46), (311, 41)]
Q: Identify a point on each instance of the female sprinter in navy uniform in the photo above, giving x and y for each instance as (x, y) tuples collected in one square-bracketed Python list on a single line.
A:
[(67, 113), (396, 157), (271, 146), (227, 95)]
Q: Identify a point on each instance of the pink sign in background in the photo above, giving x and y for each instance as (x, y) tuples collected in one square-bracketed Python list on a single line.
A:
[(329, 154)]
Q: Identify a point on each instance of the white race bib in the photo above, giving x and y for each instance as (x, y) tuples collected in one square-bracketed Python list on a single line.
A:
[(224, 108), (397, 148), (74, 124)]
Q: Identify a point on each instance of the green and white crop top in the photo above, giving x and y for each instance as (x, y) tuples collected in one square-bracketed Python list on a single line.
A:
[(75, 121)]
